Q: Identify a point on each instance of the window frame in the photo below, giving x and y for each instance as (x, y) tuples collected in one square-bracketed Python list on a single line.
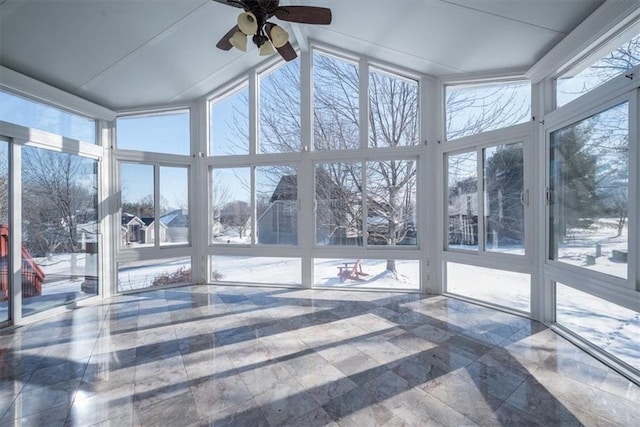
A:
[(606, 286)]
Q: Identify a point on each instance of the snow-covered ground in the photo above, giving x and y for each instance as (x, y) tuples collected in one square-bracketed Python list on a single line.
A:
[(505, 288), (141, 274), (582, 242)]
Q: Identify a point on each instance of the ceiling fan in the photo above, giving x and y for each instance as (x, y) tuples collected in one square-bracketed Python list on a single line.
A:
[(267, 35)]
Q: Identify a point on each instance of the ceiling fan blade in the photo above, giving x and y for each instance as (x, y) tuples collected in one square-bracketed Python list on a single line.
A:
[(287, 52), (230, 3), (224, 42), (304, 14)]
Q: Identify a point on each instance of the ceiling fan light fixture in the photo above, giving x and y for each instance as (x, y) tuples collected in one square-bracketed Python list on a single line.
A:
[(279, 37), (266, 49), (248, 23), (239, 41)]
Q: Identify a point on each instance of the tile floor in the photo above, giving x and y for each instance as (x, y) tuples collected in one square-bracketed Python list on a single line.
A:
[(241, 356)]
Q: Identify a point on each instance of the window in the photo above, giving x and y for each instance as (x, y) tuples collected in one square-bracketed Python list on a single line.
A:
[(29, 113), (136, 275), (393, 110), (612, 327), (471, 110), (463, 201), (174, 205), (589, 193), (140, 225), (259, 270), (59, 229), (367, 273), (166, 132), (338, 207), (505, 288), (391, 202), (499, 201), (229, 124), (137, 209), (279, 109), (277, 205), (230, 203), (336, 105), (504, 198), (576, 83)]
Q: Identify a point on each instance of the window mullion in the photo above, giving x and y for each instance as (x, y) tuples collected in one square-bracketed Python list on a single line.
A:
[(481, 200)]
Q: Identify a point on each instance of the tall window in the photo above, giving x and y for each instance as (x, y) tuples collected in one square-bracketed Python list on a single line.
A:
[(137, 209), (393, 110), (279, 109), (589, 193), (336, 106), (59, 228), (229, 124), (230, 204), (487, 213)]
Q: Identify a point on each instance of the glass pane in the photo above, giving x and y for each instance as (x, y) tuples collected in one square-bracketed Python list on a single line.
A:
[(335, 103), (229, 124), (138, 207), (279, 109), (393, 107), (174, 205), (231, 205), (613, 328), (500, 287), (277, 205), (471, 110), (137, 275), (29, 113), (463, 201), (503, 190), (263, 270), (623, 58), (338, 207), (4, 231), (161, 133), (589, 181), (59, 229), (391, 203), (367, 273)]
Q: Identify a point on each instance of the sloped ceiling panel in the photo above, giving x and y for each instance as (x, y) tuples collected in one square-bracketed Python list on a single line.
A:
[(127, 54)]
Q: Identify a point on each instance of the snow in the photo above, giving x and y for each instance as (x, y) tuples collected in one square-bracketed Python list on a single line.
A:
[(583, 241)]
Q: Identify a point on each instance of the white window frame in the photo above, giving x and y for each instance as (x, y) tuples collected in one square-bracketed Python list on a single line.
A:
[(624, 292)]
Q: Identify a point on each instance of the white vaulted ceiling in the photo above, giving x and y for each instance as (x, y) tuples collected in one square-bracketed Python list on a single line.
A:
[(127, 54)]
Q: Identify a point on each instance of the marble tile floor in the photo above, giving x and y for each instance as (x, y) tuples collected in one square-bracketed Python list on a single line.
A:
[(246, 356)]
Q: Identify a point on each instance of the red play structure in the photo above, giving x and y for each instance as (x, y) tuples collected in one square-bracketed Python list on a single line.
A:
[(32, 274)]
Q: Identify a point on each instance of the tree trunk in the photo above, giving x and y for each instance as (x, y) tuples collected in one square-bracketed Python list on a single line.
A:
[(391, 265)]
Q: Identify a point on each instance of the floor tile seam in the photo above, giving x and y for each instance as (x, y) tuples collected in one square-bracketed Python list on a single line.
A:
[(446, 404), (6, 411)]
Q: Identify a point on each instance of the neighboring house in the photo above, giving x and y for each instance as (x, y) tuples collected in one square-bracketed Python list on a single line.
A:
[(463, 213), (336, 213), (279, 222), (177, 225), (140, 230)]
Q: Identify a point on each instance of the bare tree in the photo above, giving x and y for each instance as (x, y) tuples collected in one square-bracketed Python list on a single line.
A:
[(58, 190), (236, 215)]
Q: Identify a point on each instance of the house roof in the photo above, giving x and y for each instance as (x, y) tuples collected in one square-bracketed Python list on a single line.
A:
[(131, 54)]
